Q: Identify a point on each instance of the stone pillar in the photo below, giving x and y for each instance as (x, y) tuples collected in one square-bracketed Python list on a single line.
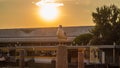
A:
[(114, 56), (119, 61), (53, 62), (21, 59), (80, 60), (103, 57), (61, 58)]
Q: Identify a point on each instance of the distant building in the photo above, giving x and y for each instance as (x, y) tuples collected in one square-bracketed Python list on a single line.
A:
[(47, 37), (38, 36)]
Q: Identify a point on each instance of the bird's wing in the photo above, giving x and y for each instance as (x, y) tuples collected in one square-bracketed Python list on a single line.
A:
[(61, 34)]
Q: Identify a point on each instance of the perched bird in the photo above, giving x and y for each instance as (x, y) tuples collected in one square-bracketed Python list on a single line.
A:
[(61, 34)]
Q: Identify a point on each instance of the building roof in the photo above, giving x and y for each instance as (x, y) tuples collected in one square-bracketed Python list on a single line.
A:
[(40, 34)]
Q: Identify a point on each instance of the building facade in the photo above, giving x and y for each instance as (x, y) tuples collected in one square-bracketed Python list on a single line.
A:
[(38, 36)]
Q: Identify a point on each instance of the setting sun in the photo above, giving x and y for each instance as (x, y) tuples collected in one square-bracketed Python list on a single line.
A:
[(49, 9), (49, 13)]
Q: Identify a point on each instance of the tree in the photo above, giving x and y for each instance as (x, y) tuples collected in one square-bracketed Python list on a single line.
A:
[(107, 20), (82, 39)]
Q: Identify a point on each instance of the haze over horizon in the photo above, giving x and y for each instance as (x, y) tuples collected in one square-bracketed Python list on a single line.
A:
[(25, 14)]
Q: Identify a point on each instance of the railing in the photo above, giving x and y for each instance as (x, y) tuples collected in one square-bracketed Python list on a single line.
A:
[(61, 57)]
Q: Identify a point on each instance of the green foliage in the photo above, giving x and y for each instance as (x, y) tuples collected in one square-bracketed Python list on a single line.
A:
[(107, 20), (82, 39), (107, 27)]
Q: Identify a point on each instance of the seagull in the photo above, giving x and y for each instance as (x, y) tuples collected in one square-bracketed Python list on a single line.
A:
[(61, 35)]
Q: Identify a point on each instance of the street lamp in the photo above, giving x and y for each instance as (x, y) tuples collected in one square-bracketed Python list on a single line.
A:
[(114, 52), (100, 35)]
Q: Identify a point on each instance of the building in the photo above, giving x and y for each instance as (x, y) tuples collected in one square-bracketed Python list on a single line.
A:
[(38, 36), (47, 37)]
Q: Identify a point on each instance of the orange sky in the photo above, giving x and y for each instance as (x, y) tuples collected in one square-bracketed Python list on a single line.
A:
[(24, 14)]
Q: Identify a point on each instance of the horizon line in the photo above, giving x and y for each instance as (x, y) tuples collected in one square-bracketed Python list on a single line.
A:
[(43, 27)]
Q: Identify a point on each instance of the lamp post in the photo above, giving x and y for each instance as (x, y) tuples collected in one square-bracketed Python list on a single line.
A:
[(100, 35), (114, 52)]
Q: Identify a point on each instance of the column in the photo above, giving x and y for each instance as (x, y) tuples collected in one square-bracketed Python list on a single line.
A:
[(21, 59), (61, 58), (80, 60)]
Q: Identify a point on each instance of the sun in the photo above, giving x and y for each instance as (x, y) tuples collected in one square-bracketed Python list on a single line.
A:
[(49, 13), (49, 9)]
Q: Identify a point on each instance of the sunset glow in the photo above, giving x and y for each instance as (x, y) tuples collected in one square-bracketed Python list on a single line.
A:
[(34, 14), (49, 13), (48, 9)]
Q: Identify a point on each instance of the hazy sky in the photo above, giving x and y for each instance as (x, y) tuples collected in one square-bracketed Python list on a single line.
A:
[(24, 13)]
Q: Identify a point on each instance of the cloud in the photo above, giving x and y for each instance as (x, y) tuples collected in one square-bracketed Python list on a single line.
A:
[(49, 3)]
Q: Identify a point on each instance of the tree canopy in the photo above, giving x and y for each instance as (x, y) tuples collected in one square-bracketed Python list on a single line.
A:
[(82, 39), (107, 27), (107, 20)]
